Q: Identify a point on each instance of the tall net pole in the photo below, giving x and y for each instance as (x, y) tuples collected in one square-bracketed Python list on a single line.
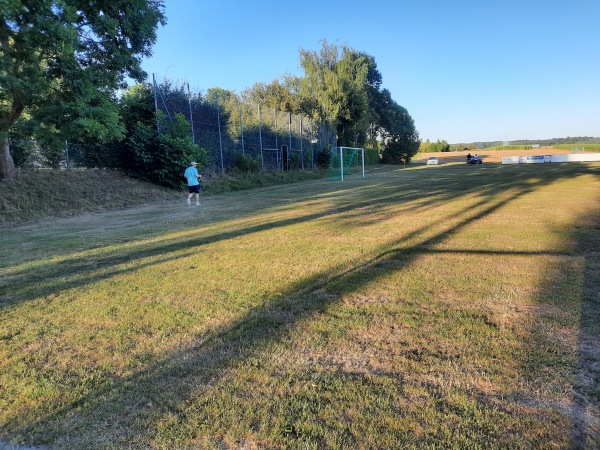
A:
[(155, 103), (262, 158), (191, 117), (301, 140), (241, 126), (220, 140), (289, 153)]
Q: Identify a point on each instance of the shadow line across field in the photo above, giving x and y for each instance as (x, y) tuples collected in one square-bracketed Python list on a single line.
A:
[(168, 382), (585, 412), (30, 281)]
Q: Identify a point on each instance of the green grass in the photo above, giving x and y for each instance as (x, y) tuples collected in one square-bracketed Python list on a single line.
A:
[(43, 193), (36, 194), (453, 307), (587, 147), (510, 147)]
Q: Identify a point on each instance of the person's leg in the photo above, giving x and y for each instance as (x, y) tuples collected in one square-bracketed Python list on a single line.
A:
[(197, 198), (189, 197)]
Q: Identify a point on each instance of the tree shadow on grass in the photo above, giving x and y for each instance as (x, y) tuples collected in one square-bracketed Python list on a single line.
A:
[(168, 382), (30, 281), (586, 387), (565, 344)]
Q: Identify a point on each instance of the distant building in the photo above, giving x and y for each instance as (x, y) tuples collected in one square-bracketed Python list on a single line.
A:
[(535, 145)]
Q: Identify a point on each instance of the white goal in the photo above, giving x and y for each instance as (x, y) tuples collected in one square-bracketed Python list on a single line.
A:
[(346, 161)]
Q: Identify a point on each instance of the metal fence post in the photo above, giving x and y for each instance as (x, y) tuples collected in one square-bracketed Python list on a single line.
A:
[(289, 155), (191, 117), (241, 126), (67, 156), (220, 140), (262, 159), (301, 140)]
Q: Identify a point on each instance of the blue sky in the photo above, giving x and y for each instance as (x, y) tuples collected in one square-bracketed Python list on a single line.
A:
[(465, 70)]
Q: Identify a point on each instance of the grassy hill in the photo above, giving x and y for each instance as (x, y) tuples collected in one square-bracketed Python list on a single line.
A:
[(53, 193), (42, 193)]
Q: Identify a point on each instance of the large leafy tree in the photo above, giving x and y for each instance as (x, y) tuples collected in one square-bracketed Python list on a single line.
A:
[(396, 130), (336, 79), (342, 87), (62, 60), (282, 94)]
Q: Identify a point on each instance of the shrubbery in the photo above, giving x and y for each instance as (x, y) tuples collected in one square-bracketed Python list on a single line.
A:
[(399, 151), (323, 158), (161, 158), (433, 147), (245, 163), (372, 156)]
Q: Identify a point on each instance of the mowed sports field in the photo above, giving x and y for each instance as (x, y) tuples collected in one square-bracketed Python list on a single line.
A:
[(429, 307)]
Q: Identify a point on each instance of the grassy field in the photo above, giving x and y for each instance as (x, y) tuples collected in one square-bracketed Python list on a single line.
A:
[(43, 193), (509, 147), (430, 307), (587, 147)]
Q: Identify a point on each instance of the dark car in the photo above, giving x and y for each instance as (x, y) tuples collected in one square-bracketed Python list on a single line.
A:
[(475, 160)]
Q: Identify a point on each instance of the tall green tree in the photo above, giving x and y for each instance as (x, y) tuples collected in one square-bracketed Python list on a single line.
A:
[(69, 53), (393, 128), (336, 79), (282, 95), (344, 88)]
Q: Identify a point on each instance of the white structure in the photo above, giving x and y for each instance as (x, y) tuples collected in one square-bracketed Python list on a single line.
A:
[(581, 157)]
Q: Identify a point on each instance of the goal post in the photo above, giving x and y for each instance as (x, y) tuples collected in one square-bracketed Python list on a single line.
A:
[(346, 161)]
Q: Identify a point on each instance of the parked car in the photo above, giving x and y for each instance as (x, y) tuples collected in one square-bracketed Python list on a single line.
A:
[(475, 160), (432, 160)]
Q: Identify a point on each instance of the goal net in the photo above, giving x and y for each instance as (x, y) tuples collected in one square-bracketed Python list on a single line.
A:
[(346, 161)]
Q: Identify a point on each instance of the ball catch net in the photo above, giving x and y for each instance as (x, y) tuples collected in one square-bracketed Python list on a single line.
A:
[(346, 161)]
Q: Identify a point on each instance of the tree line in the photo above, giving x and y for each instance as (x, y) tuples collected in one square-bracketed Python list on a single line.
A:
[(541, 142), (63, 70)]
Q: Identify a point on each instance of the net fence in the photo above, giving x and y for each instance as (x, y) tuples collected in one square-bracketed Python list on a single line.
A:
[(227, 125), (31, 154)]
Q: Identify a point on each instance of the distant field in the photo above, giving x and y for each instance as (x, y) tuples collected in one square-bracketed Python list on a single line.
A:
[(586, 147), (429, 307), (510, 147), (489, 156)]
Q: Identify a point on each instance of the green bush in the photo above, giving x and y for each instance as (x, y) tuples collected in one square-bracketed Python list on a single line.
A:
[(23, 153), (246, 163), (372, 156), (161, 158), (215, 182), (399, 151), (510, 147), (323, 158)]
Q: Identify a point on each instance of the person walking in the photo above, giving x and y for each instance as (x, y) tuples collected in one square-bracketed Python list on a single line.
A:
[(193, 181)]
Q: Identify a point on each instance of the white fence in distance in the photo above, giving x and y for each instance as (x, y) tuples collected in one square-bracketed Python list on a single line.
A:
[(582, 157)]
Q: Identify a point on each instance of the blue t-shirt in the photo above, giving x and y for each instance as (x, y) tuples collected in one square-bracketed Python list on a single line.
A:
[(192, 176)]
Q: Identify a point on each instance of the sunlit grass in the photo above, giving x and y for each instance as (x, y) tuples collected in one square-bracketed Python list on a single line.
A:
[(442, 308)]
